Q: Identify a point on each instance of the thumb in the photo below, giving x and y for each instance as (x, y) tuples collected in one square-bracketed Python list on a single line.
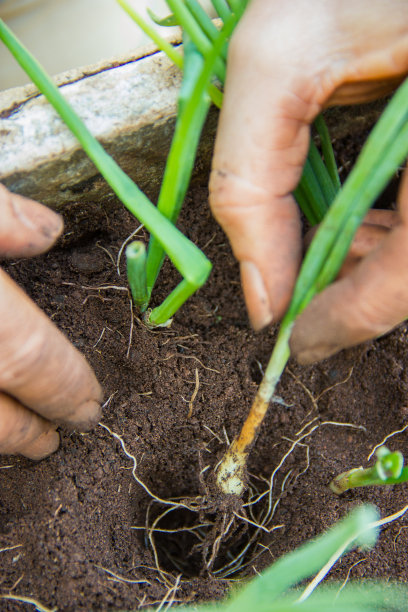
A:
[(26, 227)]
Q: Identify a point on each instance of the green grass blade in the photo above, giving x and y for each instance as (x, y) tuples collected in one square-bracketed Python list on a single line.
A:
[(316, 190), (305, 561), (193, 111), (327, 149), (222, 8), (238, 6), (302, 198), (187, 258), (162, 44), (355, 199), (193, 86), (194, 106), (193, 29), (367, 596), (206, 24), (162, 314), (311, 187), (235, 5), (151, 32), (384, 151), (329, 189)]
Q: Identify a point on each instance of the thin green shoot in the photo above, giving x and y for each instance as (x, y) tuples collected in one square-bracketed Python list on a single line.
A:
[(193, 108), (327, 150), (319, 183), (388, 470), (136, 273), (222, 8), (195, 32), (384, 152), (206, 24), (238, 6), (162, 44)]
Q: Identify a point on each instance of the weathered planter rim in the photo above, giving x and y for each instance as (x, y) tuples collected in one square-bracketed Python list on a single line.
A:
[(129, 103)]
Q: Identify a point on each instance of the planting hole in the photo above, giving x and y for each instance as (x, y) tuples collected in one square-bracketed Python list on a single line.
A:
[(178, 539), (196, 543)]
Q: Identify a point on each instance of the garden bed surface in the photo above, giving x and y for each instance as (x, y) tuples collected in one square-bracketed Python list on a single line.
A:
[(66, 536)]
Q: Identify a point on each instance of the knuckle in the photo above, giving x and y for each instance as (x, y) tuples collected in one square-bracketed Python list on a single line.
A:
[(229, 192)]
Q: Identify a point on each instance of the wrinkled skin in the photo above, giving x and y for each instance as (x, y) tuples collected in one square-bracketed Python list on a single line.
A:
[(288, 61), (44, 380)]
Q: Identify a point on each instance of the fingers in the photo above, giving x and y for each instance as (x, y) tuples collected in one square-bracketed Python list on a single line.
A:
[(370, 45), (261, 145), (285, 63), (265, 238), (366, 303), (376, 226), (26, 227), (367, 239), (38, 365), (23, 432)]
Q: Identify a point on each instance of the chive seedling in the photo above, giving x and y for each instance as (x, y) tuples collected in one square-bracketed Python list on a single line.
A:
[(388, 470), (384, 151), (187, 258), (204, 49)]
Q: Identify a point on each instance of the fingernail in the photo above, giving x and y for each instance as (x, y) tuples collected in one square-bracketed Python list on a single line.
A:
[(38, 217), (46, 444), (256, 296)]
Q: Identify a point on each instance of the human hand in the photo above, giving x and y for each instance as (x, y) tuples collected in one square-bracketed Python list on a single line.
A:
[(287, 61), (44, 380)]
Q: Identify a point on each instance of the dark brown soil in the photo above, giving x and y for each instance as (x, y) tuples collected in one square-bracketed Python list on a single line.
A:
[(66, 522)]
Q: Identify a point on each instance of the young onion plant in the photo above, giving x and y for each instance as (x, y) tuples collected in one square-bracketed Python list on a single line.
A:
[(201, 39), (384, 151), (388, 470)]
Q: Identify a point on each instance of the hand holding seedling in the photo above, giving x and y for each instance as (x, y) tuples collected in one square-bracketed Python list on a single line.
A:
[(286, 63), (43, 379)]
